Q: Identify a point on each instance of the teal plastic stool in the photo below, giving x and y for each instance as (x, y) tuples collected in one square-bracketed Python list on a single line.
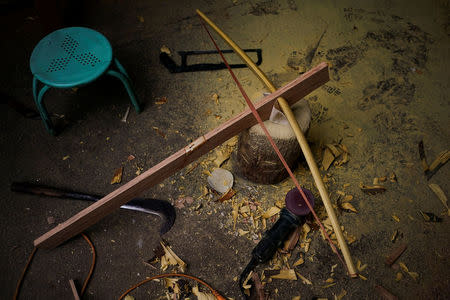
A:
[(72, 57)]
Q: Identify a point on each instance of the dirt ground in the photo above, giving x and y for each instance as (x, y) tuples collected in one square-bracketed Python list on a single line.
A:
[(388, 90)]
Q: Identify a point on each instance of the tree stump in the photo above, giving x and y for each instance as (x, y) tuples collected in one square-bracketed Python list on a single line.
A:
[(255, 158)]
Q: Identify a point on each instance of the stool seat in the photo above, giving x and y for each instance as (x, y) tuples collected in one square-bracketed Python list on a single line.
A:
[(71, 57)]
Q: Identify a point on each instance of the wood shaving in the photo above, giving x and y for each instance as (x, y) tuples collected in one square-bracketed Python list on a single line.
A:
[(170, 258), (362, 277), (334, 150), (341, 295), (414, 275), (285, 274), (165, 49), (372, 190), (393, 177), (349, 207), (360, 267), (242, 232), (441, 195), (327, 159), (442, 158), (235, 214), (215, 97), (161, 101), (117, 178), (227, 196), (347, 198), (202, 295), (403, 267), (271, 212), (303, 278), (299, 262)]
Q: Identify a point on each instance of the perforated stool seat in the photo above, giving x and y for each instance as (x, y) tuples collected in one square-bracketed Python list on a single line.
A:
[(72, 57)]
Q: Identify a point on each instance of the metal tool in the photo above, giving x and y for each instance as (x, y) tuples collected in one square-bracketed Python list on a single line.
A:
[(161, 208), (168, 62), (292, 216)]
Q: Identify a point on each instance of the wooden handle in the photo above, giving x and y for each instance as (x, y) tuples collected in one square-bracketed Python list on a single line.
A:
[(284, 105)]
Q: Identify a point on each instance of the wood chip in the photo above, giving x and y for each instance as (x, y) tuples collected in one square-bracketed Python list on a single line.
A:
[(117, 178), (285, 274), (235, 214), (385, 294), (347, 198), (414, 275), (303, 278), (430, 217), (202, 295), (242, 232), (442, 158), (372, 189), (348, 207), (215, 97), (165, 49), (395, 254), (360, 267), (403, 267), (341, 295), (327, 159), (328, 285), (341, 193), (393, 177), (334, 150), (396, 219), (271, 212), (441, 195), (398, 276), (221, 157), (362, 277), (394, 236), (299, 262), (171, 258), (161, 101), (227, 196)]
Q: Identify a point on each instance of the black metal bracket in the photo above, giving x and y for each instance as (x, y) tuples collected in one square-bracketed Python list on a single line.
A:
[(168, 62)]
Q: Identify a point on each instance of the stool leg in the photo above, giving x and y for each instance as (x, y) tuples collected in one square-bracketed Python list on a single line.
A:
[(121, 68), (35, 88), (127, 85), (38, 99)]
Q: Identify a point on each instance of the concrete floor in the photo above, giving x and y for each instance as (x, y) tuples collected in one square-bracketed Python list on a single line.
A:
[(388, 90)]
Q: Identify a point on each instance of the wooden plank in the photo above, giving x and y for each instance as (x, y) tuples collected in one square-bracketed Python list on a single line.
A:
[(292, 92), (76, 296)]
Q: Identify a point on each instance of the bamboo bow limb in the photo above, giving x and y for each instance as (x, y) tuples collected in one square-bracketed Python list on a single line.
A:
[(301, 140)]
